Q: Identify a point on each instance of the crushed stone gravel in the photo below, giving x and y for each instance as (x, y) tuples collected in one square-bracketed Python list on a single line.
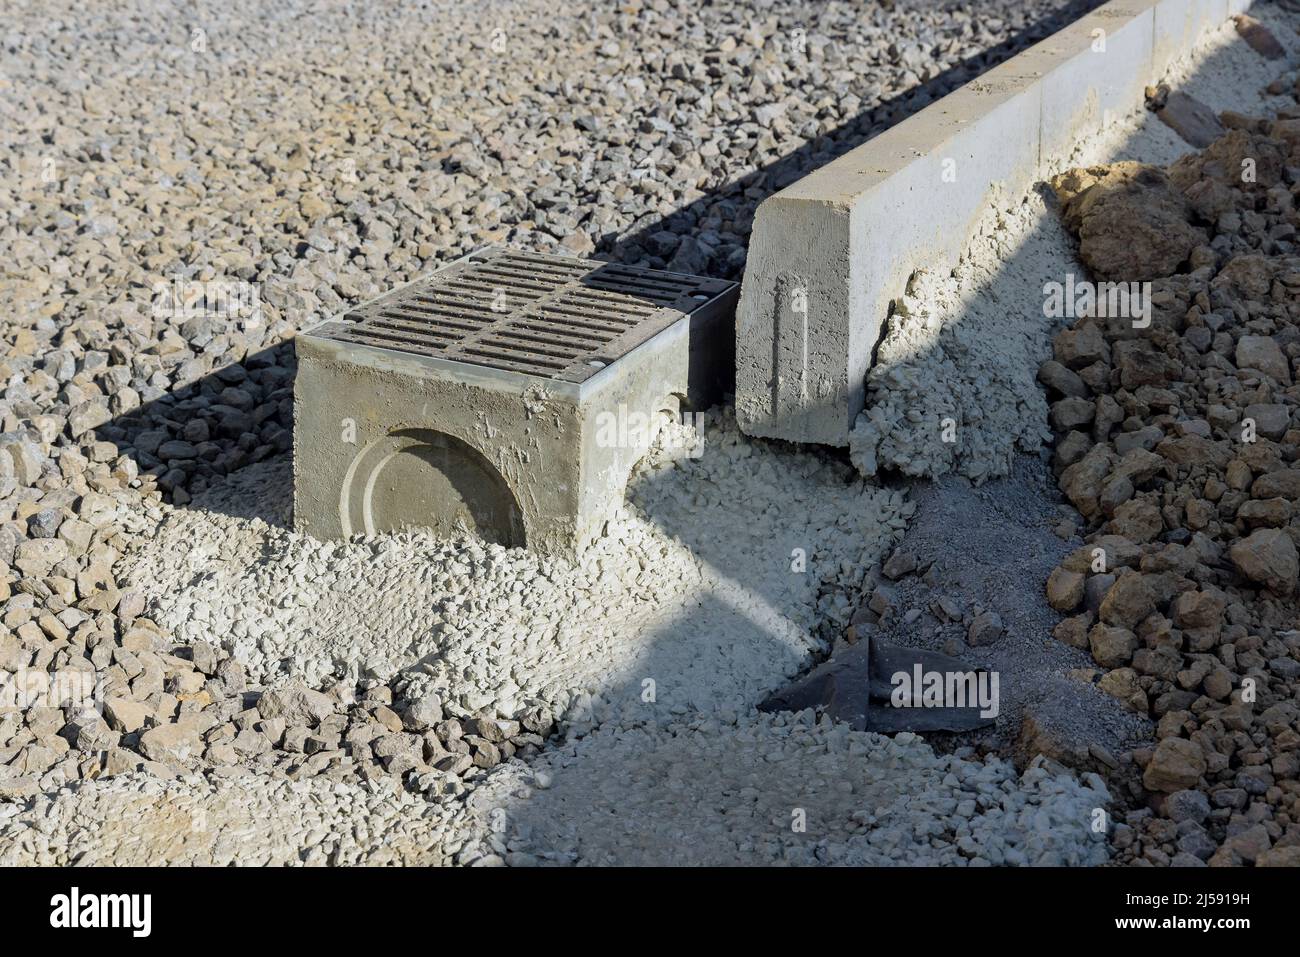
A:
[(780, 788), (1182, 464), (290, 148)]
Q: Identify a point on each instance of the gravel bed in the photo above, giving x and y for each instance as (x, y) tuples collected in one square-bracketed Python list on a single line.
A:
[(304, 159), (255, 819), (780, 789), (1179, 444)]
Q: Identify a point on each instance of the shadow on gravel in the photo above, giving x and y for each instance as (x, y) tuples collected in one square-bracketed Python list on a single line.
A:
[(690, 802), (192, 436), (689, 777), (672, 241)]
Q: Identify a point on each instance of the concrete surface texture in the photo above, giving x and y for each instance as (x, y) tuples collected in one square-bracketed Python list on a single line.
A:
[(831, 252)]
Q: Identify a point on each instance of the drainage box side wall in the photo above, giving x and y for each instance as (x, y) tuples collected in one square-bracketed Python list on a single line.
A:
[(347, 398), (678, 371), (621, 421)]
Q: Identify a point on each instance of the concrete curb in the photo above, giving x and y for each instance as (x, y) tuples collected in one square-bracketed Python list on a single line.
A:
[(829, 252)]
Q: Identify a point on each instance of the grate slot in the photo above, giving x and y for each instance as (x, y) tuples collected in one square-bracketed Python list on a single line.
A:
[(615, 311), (533, 349), (665, 283), (552, 329), (463, 310), (663, 298), (427, 333), (589, 326), (523, 287), (528, 275), (628, 274), (466, 313), (473, 299), (424, 328), (585, 324), (418, 321), (526, 335), (608, 298), (607, 308), (515, 357), (544, 263), (644, 305), (598, 318), (387, 340)]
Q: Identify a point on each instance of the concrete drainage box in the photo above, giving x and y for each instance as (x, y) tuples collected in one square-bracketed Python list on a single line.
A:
[(508, 396)]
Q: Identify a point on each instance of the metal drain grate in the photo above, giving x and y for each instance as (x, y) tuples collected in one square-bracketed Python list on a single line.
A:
[(549, 316)]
